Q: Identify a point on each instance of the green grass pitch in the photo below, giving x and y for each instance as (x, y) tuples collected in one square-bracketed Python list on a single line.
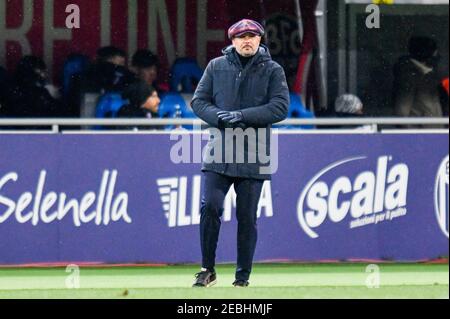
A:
[(269, 281)]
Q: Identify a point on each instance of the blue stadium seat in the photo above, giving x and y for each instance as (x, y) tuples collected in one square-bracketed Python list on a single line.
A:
[(186, 73), (74, 65), (109, 105), (175, 105)]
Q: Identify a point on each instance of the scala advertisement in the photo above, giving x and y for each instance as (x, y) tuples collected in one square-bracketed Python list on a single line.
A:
[(123, 199)]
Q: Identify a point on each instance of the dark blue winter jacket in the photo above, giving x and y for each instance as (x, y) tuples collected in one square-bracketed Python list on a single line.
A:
[(260, 92)]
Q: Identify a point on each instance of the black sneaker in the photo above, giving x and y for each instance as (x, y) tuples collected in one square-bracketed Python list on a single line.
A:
[(241, 283), (205, 279)]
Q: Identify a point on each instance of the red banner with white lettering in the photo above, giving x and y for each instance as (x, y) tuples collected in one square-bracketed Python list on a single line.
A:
[(170, 28)]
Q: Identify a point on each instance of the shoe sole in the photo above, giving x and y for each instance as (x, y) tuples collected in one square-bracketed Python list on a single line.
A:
[(241, 286), (212, 283)]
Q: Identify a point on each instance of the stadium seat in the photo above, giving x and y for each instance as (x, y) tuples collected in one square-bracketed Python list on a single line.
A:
[(186, 73), (109, 105), (175, 105), (73, 66)]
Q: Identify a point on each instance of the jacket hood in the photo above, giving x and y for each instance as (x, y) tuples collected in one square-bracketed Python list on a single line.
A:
[(263, 54)]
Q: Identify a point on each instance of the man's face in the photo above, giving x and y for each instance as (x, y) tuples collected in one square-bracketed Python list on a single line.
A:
[(247, 44), (148, 75), (117, 60), (152, 103)]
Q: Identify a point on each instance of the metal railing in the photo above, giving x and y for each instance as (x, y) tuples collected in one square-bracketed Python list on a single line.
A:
[(57, 123)]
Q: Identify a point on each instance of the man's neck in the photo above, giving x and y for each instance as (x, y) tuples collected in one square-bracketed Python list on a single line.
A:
[(245, 59)]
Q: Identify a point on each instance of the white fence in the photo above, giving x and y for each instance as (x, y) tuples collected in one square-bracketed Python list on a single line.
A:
[(56, 125)]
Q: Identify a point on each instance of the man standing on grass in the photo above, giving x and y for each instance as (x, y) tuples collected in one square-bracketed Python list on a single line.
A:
[(244, 91)]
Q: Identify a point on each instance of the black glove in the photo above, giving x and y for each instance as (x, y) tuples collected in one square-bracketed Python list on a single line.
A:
[(230, 117)]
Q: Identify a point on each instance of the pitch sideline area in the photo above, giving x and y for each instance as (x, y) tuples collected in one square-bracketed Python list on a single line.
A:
[(269, 281)]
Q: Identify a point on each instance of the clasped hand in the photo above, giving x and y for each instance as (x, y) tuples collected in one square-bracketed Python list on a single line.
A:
[(230, 118)]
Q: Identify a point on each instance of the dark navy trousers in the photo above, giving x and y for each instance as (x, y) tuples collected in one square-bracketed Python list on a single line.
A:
[(248, 192)]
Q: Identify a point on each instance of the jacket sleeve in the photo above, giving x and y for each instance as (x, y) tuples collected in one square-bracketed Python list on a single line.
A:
[(278, 107), (202, 101)]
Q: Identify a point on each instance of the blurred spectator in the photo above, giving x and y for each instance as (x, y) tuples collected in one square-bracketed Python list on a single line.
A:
[(146, 66), (349, 106), (31, 94), (109, 73), (74, 70), (445, 85), (297, 110), (416, 84), (112, 55), (445, 96), (142, 101)]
